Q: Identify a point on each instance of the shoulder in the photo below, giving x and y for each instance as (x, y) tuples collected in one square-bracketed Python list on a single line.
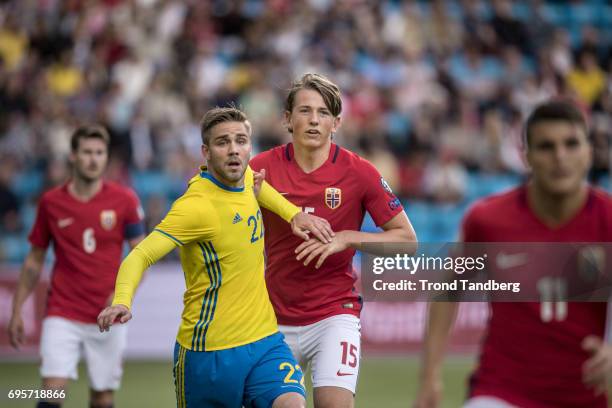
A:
[(494, 206), (263, 159), (119, 190), (54, 194), (601, 197), (361, 169), (197, 196), (352, 160), (601, 201)]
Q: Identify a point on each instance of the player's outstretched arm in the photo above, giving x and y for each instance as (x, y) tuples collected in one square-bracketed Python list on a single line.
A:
[(154, 247), (440, 319), (397, 230), (28, 278)]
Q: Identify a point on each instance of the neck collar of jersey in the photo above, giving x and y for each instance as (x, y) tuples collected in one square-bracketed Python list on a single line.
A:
[(205, 174)]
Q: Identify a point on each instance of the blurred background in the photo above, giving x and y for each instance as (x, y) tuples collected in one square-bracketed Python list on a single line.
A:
[(434, 96)]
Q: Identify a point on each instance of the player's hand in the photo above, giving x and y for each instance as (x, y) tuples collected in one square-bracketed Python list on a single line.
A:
[(595, 370), (313, 248), (302, 224), (109, 315), (429, 395), (258, 179), (15, 331)]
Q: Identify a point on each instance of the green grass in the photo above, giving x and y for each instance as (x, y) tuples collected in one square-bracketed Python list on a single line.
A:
[(383, 382)]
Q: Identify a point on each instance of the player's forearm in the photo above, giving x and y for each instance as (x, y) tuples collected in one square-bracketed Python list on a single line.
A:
[(271, 200), (28, 278), (404, 239), (440, 319), (149, 251)]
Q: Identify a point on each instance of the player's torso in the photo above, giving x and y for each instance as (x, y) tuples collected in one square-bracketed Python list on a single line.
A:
[(226, 301), (302, 295), (87, 233), (542, 339)]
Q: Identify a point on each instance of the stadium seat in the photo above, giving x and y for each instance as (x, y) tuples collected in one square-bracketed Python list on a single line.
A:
[(27, 184)]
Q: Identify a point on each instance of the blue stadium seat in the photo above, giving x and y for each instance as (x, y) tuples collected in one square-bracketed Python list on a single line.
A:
[(147, 183), (27, 184), (13, 248)]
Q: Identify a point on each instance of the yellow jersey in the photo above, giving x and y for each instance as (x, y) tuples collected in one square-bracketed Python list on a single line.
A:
[(219, 230)]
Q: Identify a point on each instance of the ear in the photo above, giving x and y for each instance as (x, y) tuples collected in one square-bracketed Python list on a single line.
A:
[(205, 152), (525, 158), (337, 123), (287, 121)]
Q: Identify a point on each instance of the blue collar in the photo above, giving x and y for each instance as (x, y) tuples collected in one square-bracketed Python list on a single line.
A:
[(207, 175)]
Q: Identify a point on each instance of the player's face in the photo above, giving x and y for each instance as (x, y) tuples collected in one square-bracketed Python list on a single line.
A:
[(90, 159), (228, 152), (311, 121), (559, 155)]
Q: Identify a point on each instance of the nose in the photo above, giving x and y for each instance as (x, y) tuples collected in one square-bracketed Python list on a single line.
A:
[(233, 148), (314, 118), (560, 153)]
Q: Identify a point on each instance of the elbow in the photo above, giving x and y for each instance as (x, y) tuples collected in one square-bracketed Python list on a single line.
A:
[(409, 236)]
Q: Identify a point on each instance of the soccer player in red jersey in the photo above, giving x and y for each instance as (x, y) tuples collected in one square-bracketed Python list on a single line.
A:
[(546, 354), (317, 305), (87, 219)]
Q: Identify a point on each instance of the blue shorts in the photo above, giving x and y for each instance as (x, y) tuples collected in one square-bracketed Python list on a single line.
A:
[(253, 375)]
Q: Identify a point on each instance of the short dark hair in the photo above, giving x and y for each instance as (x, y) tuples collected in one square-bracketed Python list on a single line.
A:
[(321, 84), (553, 110), (89, 132), (219, 115)]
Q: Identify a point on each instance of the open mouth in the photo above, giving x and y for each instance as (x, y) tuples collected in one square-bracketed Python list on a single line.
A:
[(234, 164), (313, 132)]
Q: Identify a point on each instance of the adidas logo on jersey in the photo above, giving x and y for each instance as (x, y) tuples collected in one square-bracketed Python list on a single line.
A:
[(237, 219)]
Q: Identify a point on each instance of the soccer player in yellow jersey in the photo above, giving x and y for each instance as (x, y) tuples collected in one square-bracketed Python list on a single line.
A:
[(229, 352)]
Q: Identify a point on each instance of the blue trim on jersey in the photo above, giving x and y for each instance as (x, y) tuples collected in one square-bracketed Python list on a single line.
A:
[(219, 184), (178, 241), (195, 339), (134, 230), (211, 295), (216, 292)]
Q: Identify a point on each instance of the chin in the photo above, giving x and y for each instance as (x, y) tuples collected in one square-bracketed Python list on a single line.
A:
[(563, 189), (233, 176), (312, 142)]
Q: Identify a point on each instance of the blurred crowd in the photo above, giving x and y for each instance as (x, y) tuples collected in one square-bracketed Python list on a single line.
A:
[(434, 92)]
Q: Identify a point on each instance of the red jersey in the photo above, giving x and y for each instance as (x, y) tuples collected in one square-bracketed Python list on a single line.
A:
[(524, 360), (87, 243), (341, 191)]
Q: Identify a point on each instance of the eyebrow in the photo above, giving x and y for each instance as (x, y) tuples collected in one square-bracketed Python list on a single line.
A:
[(312, 107), (226, 135)]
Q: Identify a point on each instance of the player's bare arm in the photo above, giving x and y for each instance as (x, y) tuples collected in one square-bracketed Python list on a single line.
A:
[(28, 278), (597, 369), (440, 319), (397, 230)]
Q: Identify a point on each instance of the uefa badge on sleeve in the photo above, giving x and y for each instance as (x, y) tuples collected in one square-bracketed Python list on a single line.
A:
[(333, 197), (108, 219)]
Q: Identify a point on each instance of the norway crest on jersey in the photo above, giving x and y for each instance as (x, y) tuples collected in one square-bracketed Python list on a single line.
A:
[(108, 219), (333, 197)]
